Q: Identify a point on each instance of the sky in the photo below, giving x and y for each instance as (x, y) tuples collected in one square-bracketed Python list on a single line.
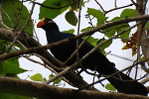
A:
[(115, 48)]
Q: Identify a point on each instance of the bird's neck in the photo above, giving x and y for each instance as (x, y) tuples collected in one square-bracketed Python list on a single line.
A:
[(53, 35)]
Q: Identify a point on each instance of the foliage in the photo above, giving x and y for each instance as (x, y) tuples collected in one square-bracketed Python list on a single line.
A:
[(55, 82), (12, 96), (10, 67), (71, 18), (110, 87), (16, 16), (101, 18), (70, 31), (37, 77), (126, 13), (57, 7)]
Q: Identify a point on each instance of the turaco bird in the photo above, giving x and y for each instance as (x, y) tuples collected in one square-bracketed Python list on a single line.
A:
[(96, 61)]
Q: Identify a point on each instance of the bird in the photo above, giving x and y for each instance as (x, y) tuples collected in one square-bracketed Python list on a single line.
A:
[(96, 61)]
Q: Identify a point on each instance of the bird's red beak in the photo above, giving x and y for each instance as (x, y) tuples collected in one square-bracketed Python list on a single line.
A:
[(40, 23)]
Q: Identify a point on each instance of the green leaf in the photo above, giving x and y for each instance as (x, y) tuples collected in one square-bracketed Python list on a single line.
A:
[(116, 19), (75, 4), (129, 13), (37, 77), (123, 27), (98, 14), (11, 67), (71, 18), (12, 96), (147, 26), (110, 87), (56, 7), (92, 40), (109, 32), (70, 31), (3, 46), (120, 28), (16, 15), (57, 81), (86, 29)]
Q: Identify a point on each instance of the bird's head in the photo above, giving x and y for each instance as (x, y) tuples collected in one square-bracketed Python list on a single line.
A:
[(47, 24)]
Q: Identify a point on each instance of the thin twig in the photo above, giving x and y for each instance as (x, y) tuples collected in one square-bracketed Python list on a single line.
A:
[(118, 8), (133, 2), (142, 61), (100, 5), (45, 6), (115, 3), (33, 60), (78, 29), (115, 55), (145, 75)]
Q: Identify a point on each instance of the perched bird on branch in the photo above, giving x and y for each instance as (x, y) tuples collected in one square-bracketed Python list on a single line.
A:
[(95, 61)]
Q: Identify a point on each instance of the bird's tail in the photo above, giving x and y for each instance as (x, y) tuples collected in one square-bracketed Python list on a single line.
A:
[(125, 84)]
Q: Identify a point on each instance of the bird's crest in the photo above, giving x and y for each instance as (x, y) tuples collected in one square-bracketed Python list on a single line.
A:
[(44, 21)]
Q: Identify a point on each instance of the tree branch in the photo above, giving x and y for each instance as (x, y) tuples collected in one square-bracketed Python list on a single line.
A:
[(118, 8), (44, 91), (38, 49)]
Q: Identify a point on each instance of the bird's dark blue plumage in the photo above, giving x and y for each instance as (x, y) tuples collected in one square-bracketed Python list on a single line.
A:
[(96, 61), (67, 35)]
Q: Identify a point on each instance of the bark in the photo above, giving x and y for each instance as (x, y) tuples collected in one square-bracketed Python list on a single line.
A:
[(142, 33), (44, 91)]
